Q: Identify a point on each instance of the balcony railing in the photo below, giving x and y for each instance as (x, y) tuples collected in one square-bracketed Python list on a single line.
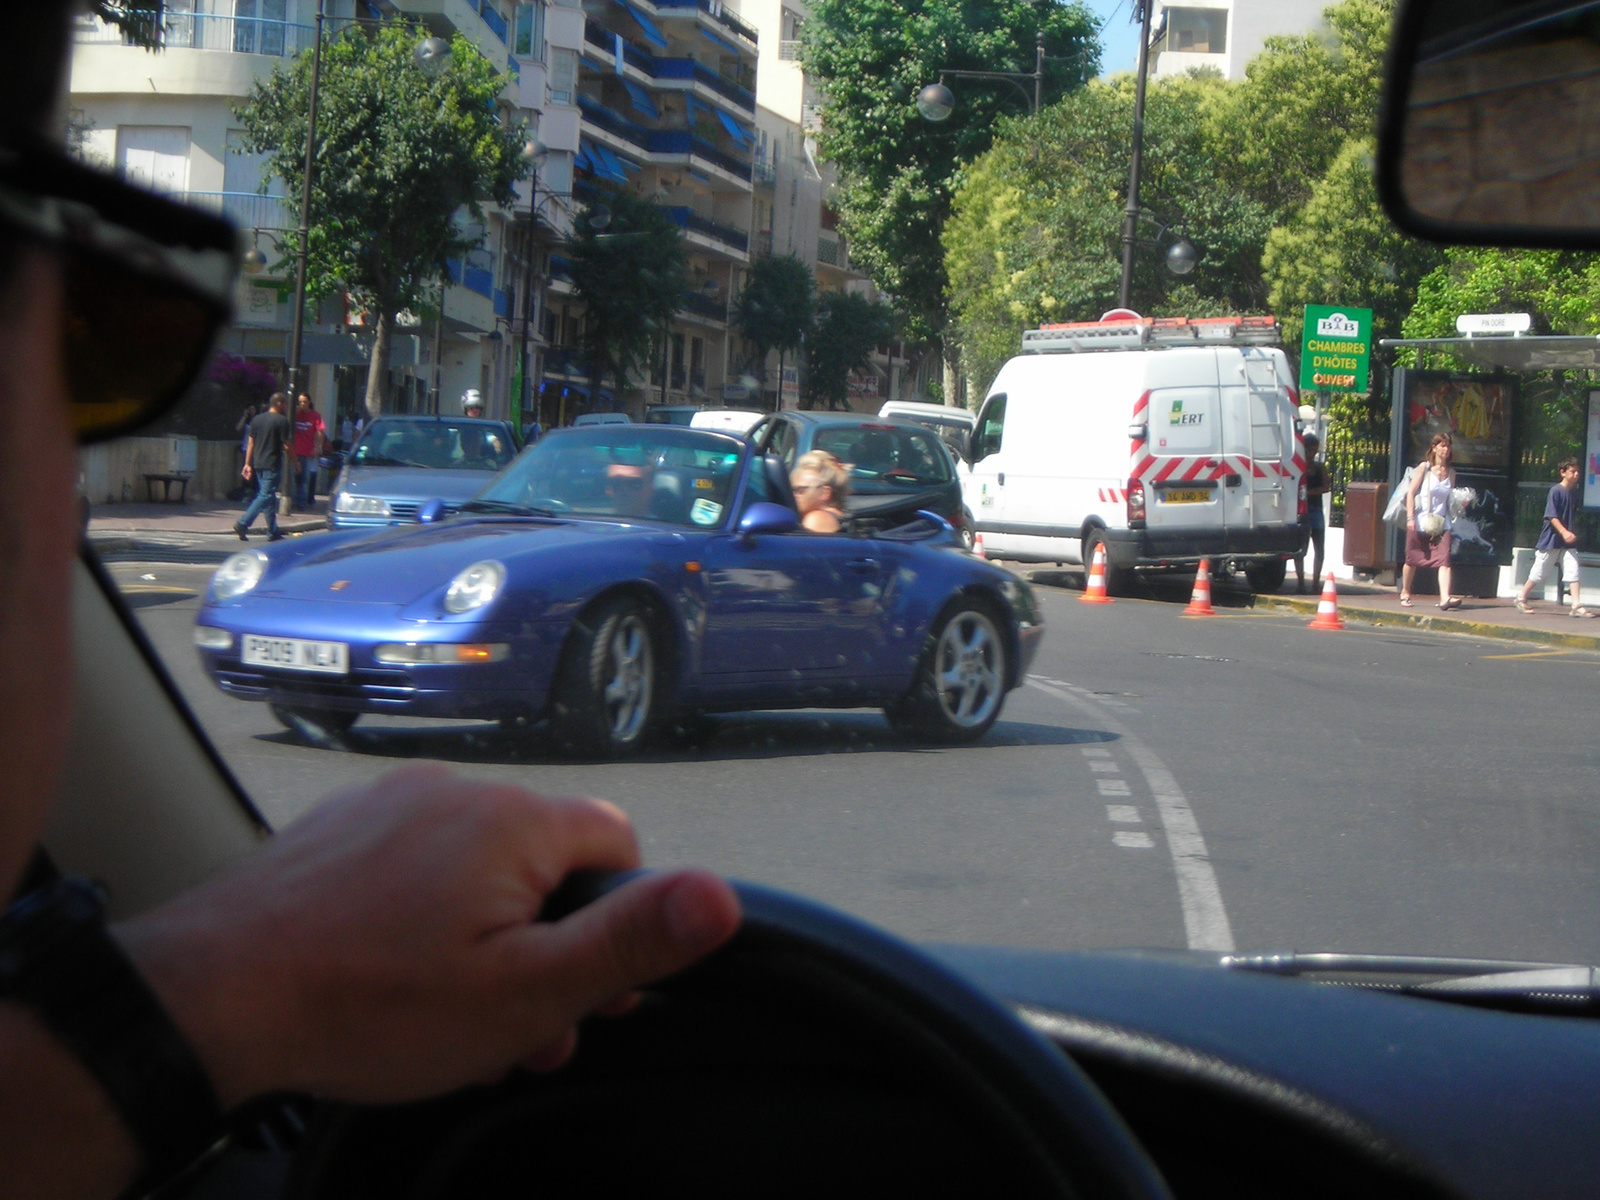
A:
[(502, 303), (248, 210), (601, 38), (493, 19), (560, 267), (763, 171), (206, 31), (705, 306), (662, 141), (687, 218), (723, 17), (828, 252), (474, 279)]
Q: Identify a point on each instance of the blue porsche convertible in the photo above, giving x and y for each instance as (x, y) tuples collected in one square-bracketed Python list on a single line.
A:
[(612, 581)]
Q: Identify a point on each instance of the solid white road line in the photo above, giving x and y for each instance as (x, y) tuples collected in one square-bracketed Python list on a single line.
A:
[(1205, 920)]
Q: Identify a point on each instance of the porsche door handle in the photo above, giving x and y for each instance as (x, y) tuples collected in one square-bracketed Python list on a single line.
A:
[(863, 566)]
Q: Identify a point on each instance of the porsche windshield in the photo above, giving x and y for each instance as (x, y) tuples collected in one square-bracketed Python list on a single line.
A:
[(650, 472)]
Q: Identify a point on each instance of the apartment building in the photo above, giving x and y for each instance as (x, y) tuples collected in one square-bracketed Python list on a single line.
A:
[(165, 119), (1223, 34)]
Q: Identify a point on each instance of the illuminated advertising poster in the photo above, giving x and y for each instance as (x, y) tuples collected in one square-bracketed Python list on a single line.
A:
[(1475, 410), (1591, 455)]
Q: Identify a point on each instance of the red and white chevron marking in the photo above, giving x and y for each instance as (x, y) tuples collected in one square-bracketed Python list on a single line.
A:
[(1184, 468), (1112, 495)]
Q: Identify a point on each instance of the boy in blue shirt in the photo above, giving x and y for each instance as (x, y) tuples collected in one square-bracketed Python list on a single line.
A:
[(1556, 538)]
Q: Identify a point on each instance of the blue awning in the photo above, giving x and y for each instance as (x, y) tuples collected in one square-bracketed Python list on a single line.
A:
[(581, 161), (603, 163), (651, 33), (641, 98), (724, 43), (735, 130)]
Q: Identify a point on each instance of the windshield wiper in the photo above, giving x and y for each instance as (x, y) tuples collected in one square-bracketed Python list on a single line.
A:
[(381, 460), (1568, 988), (506, 506)]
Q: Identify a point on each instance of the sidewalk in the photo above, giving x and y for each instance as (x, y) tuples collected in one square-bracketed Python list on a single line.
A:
[(1371, 604), (121, 529)]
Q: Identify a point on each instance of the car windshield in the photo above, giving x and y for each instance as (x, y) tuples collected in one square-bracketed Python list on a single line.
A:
[(888, 454), (1255, 615), (434, 445), (653, 473)]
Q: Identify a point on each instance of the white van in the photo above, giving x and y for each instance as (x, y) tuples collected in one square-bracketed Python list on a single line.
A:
[(1166, 440), (953, 425), (602, 418), (729, 420)]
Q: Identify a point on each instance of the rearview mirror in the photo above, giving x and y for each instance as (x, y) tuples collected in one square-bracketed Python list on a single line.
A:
[(1487, 133)]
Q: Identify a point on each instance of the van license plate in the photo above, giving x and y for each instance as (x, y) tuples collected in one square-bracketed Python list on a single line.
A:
[(296, 654), (1186, 496)]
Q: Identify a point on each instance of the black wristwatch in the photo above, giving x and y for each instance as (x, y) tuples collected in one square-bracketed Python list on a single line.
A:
[(58, 959)]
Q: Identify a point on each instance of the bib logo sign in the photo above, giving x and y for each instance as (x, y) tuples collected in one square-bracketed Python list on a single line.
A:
[(1335, 349)]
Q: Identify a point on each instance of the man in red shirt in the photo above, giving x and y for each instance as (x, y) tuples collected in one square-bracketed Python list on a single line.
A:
[(309, 441)]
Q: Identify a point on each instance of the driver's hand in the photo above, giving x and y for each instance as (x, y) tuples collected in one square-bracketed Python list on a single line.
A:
[(385, 946)]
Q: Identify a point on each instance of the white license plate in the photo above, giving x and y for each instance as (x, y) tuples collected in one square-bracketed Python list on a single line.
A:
[(296, 654)]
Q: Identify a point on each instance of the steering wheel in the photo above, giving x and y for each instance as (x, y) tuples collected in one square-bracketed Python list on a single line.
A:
[(811, 1055)]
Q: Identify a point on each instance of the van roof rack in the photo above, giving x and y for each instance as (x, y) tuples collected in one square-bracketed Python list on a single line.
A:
[(1145, 333)]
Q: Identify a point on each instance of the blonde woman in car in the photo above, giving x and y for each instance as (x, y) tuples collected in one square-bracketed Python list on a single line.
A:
[(821, 485)]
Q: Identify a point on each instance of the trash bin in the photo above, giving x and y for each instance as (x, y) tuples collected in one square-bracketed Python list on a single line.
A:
[(1364, 541)]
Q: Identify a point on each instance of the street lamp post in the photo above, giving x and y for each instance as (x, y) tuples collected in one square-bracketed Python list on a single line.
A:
[(297, 330), (936, 101), (1130, 213)]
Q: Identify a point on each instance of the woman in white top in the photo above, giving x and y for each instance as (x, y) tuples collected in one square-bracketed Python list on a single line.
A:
[(1428, 521)]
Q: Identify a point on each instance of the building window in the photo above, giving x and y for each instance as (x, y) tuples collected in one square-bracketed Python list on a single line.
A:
[(563, 75), (1197, 30), (154, 156), (529, 40)]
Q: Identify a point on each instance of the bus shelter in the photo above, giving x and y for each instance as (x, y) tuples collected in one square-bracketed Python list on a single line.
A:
[(1514, 404)]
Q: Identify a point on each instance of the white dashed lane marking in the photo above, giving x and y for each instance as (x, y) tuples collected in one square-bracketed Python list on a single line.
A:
[(1104, 765), (1123, 814), (1205, 920)]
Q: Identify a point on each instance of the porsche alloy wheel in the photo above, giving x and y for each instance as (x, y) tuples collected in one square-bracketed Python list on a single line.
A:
[(961, 681), (606, 699)]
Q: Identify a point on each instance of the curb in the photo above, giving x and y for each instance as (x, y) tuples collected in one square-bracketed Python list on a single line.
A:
[(1482, 629)]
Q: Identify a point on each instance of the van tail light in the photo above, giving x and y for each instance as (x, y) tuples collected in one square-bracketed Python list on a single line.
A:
[(1136, 503), (1302, 510)]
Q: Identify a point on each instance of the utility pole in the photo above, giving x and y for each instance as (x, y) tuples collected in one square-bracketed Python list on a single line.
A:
[(1130, 214), (297, 330)]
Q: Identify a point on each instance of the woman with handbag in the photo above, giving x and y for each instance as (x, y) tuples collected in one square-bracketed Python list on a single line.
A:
[(1428, 521)]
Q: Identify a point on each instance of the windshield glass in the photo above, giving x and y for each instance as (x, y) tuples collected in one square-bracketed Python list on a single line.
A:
[(439, 445), (626, 471), (1274, 586)]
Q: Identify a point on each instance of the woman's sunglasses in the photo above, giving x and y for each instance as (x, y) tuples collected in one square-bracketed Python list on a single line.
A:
[(147, 284)]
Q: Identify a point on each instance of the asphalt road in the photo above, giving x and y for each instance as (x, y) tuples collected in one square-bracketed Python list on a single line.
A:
[(1234, 782)]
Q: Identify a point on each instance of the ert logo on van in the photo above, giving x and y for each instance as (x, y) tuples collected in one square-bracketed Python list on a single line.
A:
[(1179, 417)]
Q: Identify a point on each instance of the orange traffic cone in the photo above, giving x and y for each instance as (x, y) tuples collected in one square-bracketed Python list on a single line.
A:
[(1328, 608), (1096, 592), (977, 546), (1200, 598)]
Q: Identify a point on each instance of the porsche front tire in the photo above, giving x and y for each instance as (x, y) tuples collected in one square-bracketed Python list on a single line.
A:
[(607, 692), (961, 679)]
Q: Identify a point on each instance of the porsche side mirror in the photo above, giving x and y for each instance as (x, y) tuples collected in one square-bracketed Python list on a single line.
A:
[(1486, 125), (431, 511), (765, 518)]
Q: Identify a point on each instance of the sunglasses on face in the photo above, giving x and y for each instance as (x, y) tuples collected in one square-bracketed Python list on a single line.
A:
[(147, 284)]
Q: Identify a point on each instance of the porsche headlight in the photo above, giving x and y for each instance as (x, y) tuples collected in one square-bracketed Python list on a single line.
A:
[(475, 586), (361, 506), (238, 574)]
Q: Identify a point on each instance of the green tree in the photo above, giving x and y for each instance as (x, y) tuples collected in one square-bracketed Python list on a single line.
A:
[(870, 58), (399, 155), (139, 20), (1035, 233), (849, 327), (776, 308), (631, 276)]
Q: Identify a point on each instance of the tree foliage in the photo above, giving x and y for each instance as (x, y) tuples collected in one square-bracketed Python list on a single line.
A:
[(870, 58), (776, 308), (139, 20), (848, 328), (631, 277), (399, 156), (1035, 235)]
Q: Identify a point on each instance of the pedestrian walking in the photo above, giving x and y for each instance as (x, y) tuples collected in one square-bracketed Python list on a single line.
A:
[(269, 457), (1556, 539), (309, 442), (1428, 521), (1316, 526)]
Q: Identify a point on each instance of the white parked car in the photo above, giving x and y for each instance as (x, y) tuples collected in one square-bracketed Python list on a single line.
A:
[(953, 425)]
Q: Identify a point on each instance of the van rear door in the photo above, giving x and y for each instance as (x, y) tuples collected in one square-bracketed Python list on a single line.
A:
[(1258, 436), (1183, 488)]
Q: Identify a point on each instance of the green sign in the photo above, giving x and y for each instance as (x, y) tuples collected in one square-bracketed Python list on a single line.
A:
[(1335, 349)]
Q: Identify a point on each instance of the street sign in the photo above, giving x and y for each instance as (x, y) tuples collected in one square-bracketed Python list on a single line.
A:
[(1478, 323), (1335, 349)]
